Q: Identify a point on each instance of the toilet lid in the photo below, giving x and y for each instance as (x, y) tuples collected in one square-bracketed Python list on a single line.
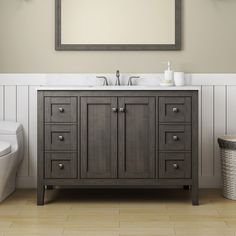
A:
[(5, 148)]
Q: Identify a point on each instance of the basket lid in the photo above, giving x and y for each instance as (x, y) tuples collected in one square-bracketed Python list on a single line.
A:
[(227, 141)]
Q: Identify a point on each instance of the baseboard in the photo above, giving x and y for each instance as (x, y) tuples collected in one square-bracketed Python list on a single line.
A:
[(26, 182), (204, 182), (210, 181)]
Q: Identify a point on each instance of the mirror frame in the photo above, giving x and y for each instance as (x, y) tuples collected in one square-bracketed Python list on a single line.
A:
[(117, 47)]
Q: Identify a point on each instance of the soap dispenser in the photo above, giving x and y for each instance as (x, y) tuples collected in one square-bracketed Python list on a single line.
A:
[(168, 76)]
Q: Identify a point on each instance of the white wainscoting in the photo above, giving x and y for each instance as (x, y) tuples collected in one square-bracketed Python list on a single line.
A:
[(217, 114)]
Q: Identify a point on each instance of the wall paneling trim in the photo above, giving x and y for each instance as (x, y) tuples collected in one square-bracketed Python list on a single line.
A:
[(217, 113)]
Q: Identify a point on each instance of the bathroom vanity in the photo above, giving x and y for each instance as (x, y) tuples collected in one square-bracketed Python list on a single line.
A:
[(117, 137)]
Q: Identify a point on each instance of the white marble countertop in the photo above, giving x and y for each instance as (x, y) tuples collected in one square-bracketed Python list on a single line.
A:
[(116, 88)]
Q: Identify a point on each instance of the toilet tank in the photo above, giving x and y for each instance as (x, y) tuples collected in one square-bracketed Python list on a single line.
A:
[(12, 132)]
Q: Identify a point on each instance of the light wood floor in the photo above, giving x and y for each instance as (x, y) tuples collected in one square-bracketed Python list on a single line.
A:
[(118, 213)]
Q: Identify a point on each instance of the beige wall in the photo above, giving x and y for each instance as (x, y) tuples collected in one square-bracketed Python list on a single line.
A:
[(27, 42)]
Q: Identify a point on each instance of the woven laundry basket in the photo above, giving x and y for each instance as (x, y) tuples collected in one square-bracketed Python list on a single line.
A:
[(228, 161)]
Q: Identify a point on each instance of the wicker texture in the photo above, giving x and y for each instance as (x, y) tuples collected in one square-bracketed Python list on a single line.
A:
[(228, 161), (228, 142)]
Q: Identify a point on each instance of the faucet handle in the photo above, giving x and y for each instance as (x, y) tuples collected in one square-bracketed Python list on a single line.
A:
[(105, 82), (130, 82)]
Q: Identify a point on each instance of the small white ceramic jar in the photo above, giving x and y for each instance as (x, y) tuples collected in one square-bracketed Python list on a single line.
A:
[(179, 79)]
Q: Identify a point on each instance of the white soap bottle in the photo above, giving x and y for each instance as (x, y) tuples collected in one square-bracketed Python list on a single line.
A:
[(169, 75)]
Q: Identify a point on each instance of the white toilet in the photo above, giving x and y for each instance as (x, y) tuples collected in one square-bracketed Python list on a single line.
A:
[(11, 155)]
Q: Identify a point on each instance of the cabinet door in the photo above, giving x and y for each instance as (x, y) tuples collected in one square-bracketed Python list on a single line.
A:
[(137, 137), (98, 137)]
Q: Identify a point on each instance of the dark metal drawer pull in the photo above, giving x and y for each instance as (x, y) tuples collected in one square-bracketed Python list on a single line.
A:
[(61, 138), (175, 110), (61, 166), (175, 166), (122, 109), (175, 138), (61, 109), (114, 109)]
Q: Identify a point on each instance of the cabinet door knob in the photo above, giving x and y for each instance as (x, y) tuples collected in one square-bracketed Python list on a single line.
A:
[(114, 109), (175, 110), (61, 166), (61, 138), (61, 109), (122, 109), (175, 138), (175, 165)]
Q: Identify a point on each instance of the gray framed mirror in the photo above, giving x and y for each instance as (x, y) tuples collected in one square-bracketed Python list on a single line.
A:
[(117, 25)]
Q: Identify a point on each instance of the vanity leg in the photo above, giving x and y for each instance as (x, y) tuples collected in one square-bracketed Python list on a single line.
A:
[(195, 197), (40, 195)]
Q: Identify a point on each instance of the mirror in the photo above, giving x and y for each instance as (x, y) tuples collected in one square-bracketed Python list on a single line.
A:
[(125, 25)]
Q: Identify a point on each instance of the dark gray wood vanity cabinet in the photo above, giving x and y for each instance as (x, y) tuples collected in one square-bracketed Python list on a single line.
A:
[(117, 139)]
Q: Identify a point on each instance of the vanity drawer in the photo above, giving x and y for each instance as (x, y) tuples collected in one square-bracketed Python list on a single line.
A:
[(61, 165), (61, 109), (174, 165), (175, 137), (60, 137), (175, 109)]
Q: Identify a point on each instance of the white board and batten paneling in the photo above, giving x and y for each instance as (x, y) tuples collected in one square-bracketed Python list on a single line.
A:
[(217, 115)]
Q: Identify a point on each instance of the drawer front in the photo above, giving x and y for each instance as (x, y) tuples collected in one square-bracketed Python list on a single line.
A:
[(175, 109), (61, 165), (61, 137), (175, 137), (174, 165), (61, 109)]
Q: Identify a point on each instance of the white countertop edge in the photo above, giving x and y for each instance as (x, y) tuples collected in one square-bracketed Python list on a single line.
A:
[(115, 88)]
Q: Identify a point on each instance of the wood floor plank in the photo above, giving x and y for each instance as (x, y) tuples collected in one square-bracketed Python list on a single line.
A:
[(36, 229), (81, 232), (203, 231)]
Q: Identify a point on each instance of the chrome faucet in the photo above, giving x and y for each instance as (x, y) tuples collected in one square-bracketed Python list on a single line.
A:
[(130, 81), (117, 78), (105, 82)]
